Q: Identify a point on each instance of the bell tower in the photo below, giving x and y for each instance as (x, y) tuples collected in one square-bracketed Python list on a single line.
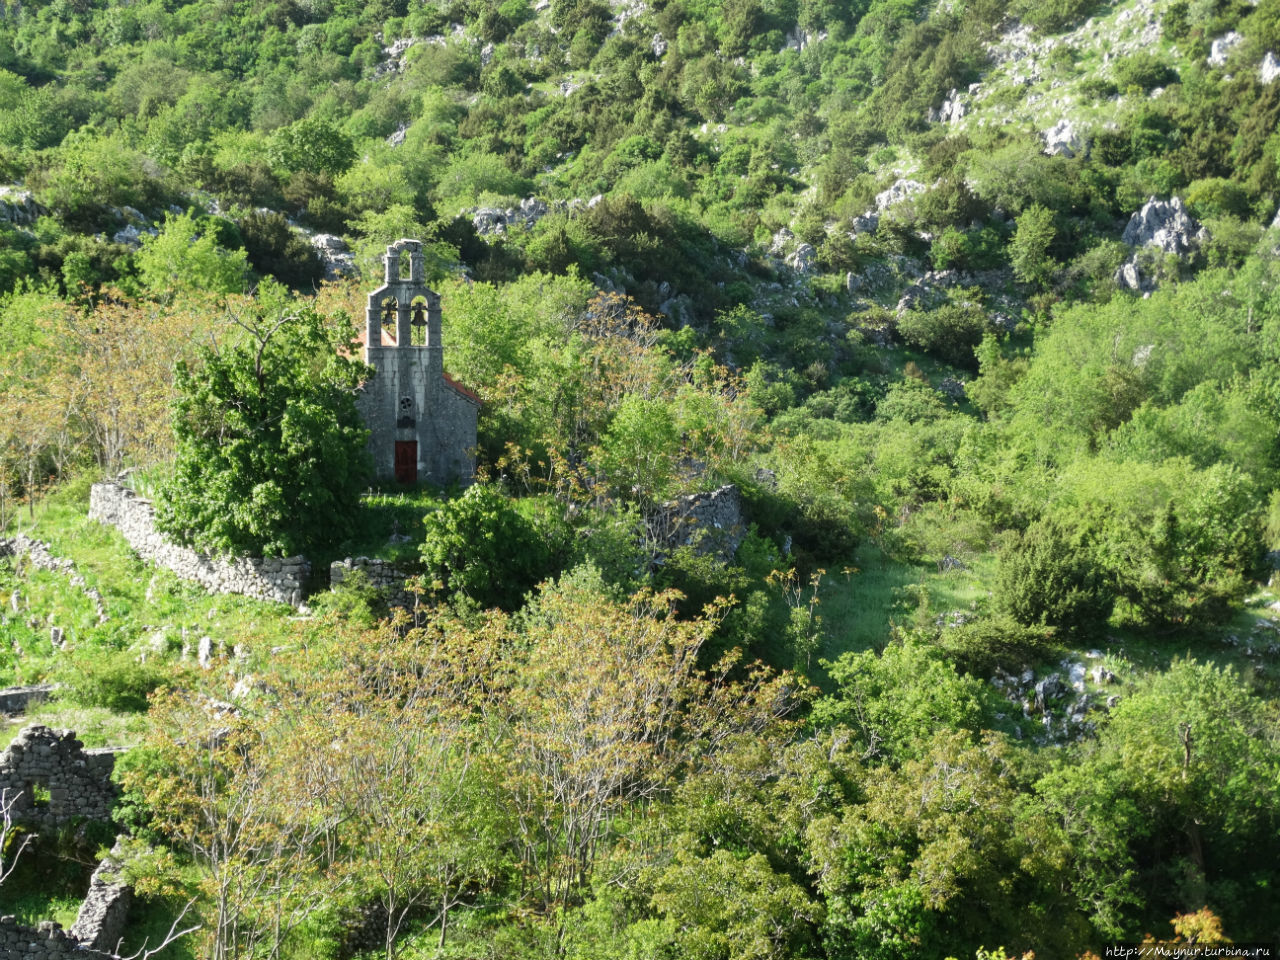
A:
[(422, 424)]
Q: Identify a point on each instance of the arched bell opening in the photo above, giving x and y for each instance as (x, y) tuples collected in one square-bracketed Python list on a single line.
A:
[(387, 313), (418, 321)]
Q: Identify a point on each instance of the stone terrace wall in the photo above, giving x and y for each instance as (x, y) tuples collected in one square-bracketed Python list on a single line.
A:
[(48, 941), (79, 782), (134, 517), (383, 575)]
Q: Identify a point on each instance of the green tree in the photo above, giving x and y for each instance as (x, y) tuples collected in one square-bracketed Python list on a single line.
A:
[(314, 145), (1029, 251), (271, 451), (186, 256)]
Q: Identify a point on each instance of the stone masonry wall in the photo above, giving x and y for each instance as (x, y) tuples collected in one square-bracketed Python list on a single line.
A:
[(383, 575), (48, 941), (709, 522), (264, 579), (100, 924), (78, 781), (16, 700)]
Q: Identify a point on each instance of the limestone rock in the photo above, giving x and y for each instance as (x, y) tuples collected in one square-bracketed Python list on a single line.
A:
[(1063, 140), (1270, 68), (658, 45), (334, 254), (801, 259), (18, 206), (1221, 48), (900, 190), (1164, 225)]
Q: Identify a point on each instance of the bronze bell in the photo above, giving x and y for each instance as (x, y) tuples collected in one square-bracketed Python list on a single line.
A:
[(419, 315), (389, 312)]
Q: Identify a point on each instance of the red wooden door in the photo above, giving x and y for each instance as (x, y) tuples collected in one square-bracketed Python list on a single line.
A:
[(407, 461)]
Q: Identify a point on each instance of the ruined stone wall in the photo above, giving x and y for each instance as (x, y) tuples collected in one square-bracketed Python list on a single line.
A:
[(16, 700), (709, 522), (100, 924), (281, 580), (78, 781), (383, 575), (48, 941)]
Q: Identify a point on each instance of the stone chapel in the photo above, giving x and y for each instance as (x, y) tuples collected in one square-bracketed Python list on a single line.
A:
[(422, 424)]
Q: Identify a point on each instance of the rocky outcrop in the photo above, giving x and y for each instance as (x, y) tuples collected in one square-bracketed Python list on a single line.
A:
[(1270, 68), (336, 257), (19, 207), (1063, 140), (1221, 48), (900, 190), (498, 221), (1164, 225), (278, 579), (56, 781)]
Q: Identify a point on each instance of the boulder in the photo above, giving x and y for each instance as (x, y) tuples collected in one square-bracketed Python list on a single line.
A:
[(1063, 140), (337, 259), (801, 259), (1164, 225)]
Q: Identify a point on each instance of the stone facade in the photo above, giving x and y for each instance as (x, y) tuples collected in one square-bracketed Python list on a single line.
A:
[(281, 580), (77, 781), (709, 522), (384, 576), (422, 425)]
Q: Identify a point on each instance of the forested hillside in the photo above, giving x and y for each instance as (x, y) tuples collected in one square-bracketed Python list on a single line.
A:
[(971, 307)]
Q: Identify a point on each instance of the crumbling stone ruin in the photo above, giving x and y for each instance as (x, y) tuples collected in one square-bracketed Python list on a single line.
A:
[(709, 522), (48, 941), (281, 580), (15, 701), (422, 424), (100, 924), (55, 780)]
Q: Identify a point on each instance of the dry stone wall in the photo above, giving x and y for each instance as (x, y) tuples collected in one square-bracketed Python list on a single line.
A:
[(709, 522), (383, 575), (281, 580), (48, 941), (100, 924), (15, 701), (77, 781)]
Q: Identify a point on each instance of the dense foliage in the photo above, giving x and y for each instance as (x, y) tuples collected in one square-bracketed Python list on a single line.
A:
[(989, 663)]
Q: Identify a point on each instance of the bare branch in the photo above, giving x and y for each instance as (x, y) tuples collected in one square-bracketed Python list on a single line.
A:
[(145, 953)]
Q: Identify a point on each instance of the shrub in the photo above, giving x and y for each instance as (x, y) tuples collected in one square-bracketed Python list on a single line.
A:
[(1050, 577), (115, 680), (483, 547)]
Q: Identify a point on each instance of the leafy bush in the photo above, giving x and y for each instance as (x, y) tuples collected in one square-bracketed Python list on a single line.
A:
[(271, 451), (1050, 576), (1144, 71), (950, 331), (483, 547), (116, 680)]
